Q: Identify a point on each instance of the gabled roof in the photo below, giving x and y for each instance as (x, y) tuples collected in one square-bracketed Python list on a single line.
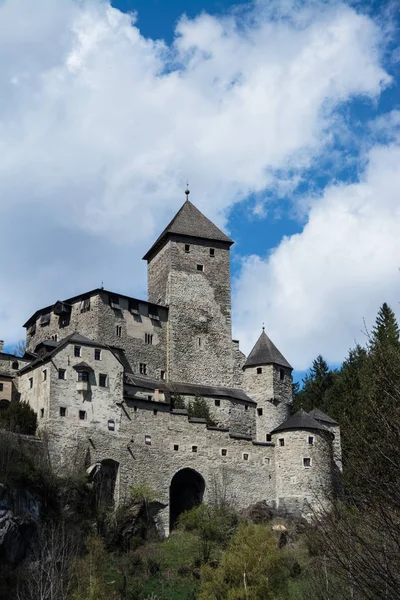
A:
[(265, 353), (300, 420), (318, 415), (190, 222)]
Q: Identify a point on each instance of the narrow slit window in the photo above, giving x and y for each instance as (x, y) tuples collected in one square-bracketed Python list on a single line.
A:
[(310, 440), (224, 451), (111, 425), (148, 338), (61, 373), (147, 440), (259, 370), (245, 456), (259, 412), (118, 330), (42, 413), (281, 374), (97, 354), (212, 252), (44, 374), (217, 402), (103, 380), (187, 248), (155, 411), (162, 375), (281, 441), (268, 437), (63, 411), (246, 407), (77, 350), (176, 447), (82, 415), (31, 382)]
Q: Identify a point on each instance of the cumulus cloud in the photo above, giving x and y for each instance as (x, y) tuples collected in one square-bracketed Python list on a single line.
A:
[(100, 127), (315, 289)]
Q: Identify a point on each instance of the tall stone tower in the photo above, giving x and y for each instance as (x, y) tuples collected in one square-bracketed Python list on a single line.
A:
[(189, 271), (268, 380)]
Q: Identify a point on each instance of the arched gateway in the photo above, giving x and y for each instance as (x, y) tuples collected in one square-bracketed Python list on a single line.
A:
[(185, 492)]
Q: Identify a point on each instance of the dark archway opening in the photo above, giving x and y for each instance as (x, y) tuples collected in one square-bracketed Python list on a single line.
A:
[(186, 491), (104, 478)]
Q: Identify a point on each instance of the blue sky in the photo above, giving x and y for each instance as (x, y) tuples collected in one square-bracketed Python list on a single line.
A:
[(283, 115)]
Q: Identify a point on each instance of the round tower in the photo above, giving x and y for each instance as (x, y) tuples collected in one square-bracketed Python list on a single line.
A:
[(304, 464), (268, 381)]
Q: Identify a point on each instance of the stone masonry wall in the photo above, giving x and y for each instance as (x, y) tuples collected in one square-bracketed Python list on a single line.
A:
[(272, 395), (297, 485), (199, 325)]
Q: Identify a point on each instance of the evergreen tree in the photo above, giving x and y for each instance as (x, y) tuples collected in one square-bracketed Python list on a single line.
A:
[(199, 409), (315, 384), (386, 331)]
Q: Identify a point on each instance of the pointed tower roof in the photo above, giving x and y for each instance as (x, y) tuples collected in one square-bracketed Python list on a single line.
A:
[(190, 222), (265, 353), (300, 420)]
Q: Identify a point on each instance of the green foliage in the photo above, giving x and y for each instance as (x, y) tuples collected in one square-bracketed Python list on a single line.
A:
[(142, 493), (386, 331), (214, 526), (178, 402), (315, 384), (90, 572), (251, 568), (19, 417), (199, 408)]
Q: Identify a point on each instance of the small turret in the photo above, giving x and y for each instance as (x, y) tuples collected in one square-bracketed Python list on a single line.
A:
[(268, 380)]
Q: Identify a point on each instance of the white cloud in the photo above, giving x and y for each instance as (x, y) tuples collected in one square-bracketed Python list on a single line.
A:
[(316, 288), (100, 127)]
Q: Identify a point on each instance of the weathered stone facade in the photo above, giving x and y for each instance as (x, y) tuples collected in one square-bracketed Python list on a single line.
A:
[(105, 371)]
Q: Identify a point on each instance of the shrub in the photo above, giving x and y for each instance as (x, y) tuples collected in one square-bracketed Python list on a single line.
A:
[(19, 417)]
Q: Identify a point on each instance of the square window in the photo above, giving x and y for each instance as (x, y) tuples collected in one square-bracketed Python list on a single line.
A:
[(176, 447), (61, 373), (111, 425), (44, 374), (147, 440), (31, 382), (281, 374), (224, 452), (187, 248), (259, 370), (306, 462), (149, 398), (82, 415), (268, 437), (200, 267), (63, 411), (281, 441), (217, 402), (102, 380), (245, 456), (77, 350), (97, 354), (259, 412), (194, 448), (42, 413), (83, 376), (310, 441), (266, 460), (212, 251)]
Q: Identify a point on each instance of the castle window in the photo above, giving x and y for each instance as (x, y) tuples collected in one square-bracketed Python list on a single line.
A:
[(63, 321), (82, 415), (162, 374), (212, 252), (148, 338), (14, 365), (44, 374), (32, 329), (97, 354), (63, 411), (41, 413), (217, 402), (187, 248), (114, 302), (281, 441), (194, 448), (268, 437), (149, 398), (199, 341), (31, 382), (266, 460), (134, 307), (259, 370), (281, 374), (245, 456), (153, 313), (307, 463), (61, 373), (246, 407), (135, 409), (77, 350), (200, 267), (155, 411), (118, 331), (176, 447), (1, 387), (143, 368), (85, 306), (54, 337), (111, 425), (83, 376), (45, 319), (102, 380), (224, 451), (147, 440), (259, 412), (310, 441)]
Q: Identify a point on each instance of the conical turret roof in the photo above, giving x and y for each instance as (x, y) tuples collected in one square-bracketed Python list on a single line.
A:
[(265, 353), (300, 420), (189, 221)]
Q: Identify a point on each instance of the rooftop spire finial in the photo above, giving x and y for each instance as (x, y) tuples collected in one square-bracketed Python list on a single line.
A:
[(187, 191), (263, 327)]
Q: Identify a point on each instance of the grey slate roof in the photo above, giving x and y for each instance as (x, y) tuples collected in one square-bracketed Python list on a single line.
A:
[(300, 420), (265, 353), (189, 221), (318, 415)]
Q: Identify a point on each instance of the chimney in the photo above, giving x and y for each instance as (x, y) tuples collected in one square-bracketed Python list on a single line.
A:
[(1, 345)]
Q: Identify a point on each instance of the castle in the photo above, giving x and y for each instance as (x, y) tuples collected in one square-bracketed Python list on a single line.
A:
[(106, 373)]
